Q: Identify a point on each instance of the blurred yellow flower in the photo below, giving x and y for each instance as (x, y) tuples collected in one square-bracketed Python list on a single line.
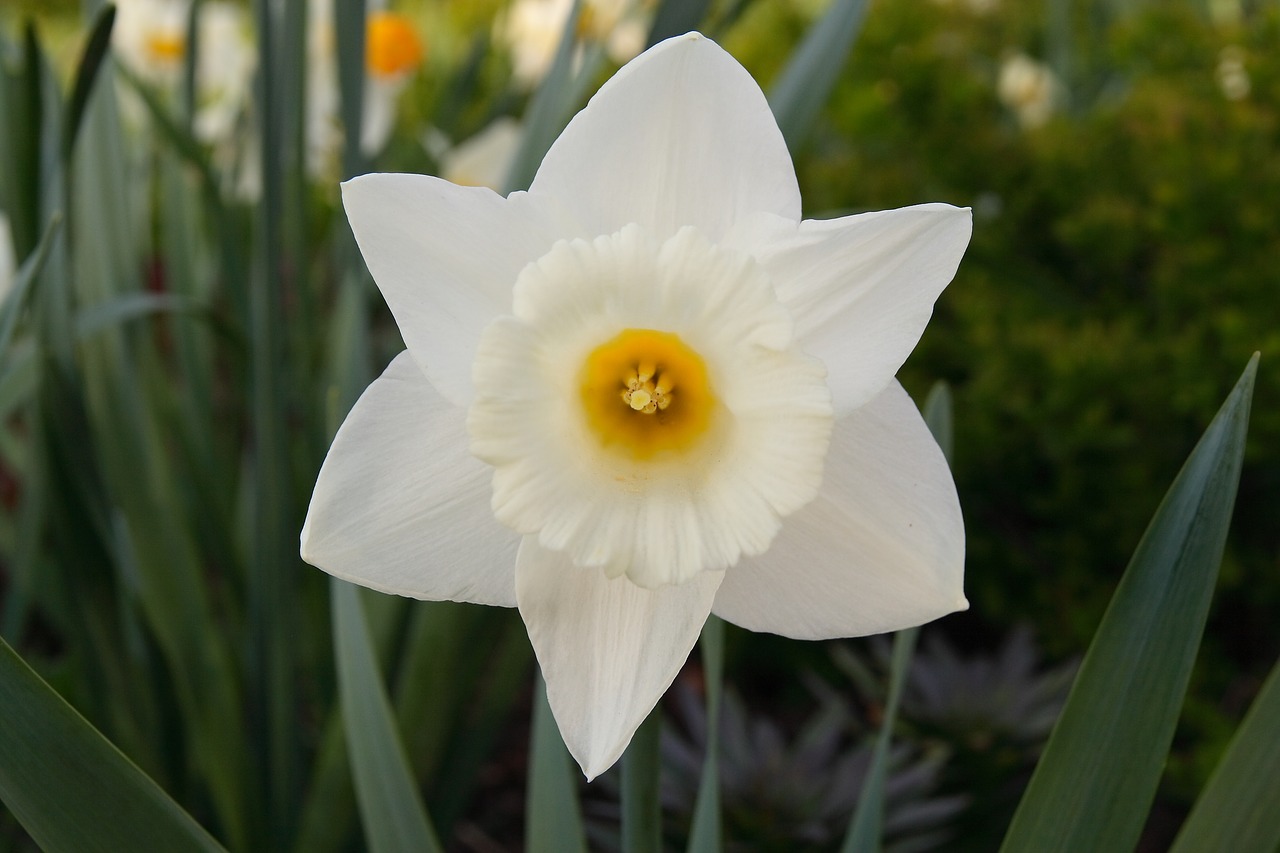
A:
[(392, 46)]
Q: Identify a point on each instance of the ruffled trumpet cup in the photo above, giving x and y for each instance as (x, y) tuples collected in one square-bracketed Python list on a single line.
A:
[(645, 391)]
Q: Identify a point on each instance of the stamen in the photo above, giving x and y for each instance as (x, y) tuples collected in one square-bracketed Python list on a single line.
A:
[(642, 368)]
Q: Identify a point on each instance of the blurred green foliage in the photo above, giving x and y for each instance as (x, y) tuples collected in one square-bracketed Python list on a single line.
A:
[(1124, 265), (1125, 261)]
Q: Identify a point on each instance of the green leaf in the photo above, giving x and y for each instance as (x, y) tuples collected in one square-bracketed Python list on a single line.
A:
[(95, 50), (391, 811), (21, 143), (1237, 809), (937, 414), (553, 816), (675, 18), (349, 20), (118, 310), (1097, 777), (867, 824), (500, 675), (705, 835), (806, 82), (69, 787), (641, 806), (273, 562)]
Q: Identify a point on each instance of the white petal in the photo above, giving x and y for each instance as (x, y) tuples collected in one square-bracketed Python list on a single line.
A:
[(881, 548), (680, 136), (608, 648), (445, 258), (861, 288), (401, 506)]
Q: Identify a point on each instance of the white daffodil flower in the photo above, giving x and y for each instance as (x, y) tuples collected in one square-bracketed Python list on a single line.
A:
[(644, 391)]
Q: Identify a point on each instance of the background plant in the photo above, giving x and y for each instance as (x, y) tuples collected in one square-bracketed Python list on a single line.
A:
[(174, 354)]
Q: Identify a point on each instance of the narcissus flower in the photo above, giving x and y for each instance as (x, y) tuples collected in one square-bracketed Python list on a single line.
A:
[(644, 391)]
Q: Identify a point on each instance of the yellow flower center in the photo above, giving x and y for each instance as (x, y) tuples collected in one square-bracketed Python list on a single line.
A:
[(392, 46), (166, 47), (645, 392)]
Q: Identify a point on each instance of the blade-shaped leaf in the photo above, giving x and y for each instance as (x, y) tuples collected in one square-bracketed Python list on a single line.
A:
[(1098, 774), (867, 824), (69, 786), (95, 50), (391, 810), (937, 414), (705, 835), (553, 816), (1237, 809), (641, 806), (806, 82)]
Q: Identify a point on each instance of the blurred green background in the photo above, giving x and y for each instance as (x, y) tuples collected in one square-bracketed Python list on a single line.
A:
[(164, 419)]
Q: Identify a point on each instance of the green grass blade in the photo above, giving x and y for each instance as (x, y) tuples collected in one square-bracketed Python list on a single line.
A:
[(641, 805), (159, 571), (1237, 809), (21, 143), (391, 811), (553, 817), (1097, 777), (937, 414), (349, 21), (705, 834), (95, 51), (504, 662), (273, 564), (69, 787), (867, 824), (805, 83)]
